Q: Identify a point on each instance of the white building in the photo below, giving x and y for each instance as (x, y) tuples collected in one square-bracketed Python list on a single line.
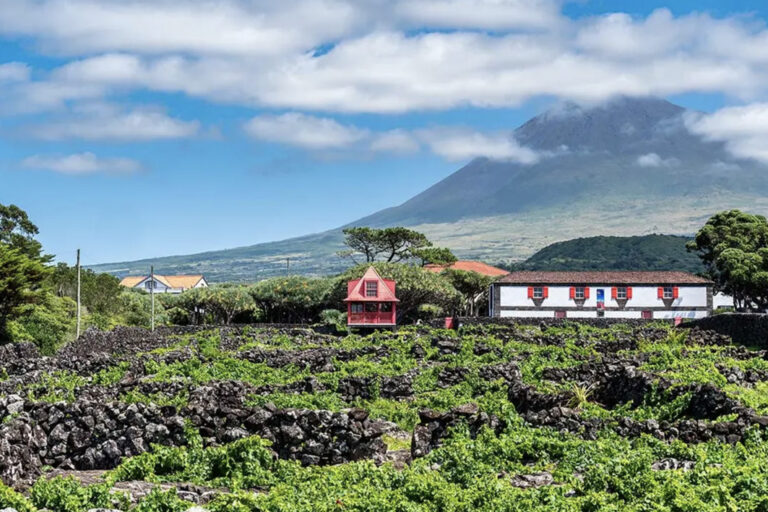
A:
[(165, 284), (601, 294)]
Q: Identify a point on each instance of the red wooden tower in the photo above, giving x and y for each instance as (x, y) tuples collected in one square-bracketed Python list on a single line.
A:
[(371, 301)]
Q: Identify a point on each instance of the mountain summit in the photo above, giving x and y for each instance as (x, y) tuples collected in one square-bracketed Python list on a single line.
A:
[(626, 148), (628, 166)]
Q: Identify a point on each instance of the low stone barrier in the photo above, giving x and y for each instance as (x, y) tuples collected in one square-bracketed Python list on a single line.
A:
[(743, 328)]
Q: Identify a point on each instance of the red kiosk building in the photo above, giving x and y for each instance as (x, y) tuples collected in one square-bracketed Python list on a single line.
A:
[(371, 301)]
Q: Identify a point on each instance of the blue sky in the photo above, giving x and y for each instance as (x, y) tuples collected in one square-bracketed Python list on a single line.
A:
[(152, 128)]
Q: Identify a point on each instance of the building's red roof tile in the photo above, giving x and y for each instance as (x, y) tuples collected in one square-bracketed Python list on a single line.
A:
[(469, 266), (610, 277)]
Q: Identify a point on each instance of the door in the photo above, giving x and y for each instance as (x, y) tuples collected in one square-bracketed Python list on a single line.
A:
[(600, 298)]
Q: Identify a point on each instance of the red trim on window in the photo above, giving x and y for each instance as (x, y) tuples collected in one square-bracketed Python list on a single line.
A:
[(675, 292), (530, 292), (614, 293), (572, 292), (546, 292), (586, 292), (629, 292), (661, 292)]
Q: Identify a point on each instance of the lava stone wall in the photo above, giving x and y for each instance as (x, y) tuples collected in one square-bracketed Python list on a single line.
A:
[(554, 322), (743, 328)]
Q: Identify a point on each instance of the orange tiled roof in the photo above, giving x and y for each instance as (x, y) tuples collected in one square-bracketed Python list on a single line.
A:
[(132, 281), (186, 282), (469, 266)]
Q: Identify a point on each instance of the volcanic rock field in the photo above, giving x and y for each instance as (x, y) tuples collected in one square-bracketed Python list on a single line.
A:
[(512, 417)]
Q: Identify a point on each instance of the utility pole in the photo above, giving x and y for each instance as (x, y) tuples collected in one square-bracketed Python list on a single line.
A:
[(78, 293), (287, 263), (152, 293)]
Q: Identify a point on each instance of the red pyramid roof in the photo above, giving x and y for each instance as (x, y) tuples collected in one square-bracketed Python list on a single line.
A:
[(385, 288)]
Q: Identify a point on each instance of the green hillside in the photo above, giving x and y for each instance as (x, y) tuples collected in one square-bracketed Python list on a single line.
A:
[(649, 252)]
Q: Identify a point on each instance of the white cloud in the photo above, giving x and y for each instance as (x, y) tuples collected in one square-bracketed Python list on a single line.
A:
[(82, 163), (487, 14), (14, 72), (395, 141), (303, 131), (462, 144), (260, 27), (322, 133), (744, 130), (654, 160), (106, 122), (265, 54)]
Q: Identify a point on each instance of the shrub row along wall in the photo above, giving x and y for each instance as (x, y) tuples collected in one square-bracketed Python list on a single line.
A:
[(743, 328)]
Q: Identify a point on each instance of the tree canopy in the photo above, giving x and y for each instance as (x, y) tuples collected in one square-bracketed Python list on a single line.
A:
[(435, 256), (388, 244), (22, 265), (734, 247)]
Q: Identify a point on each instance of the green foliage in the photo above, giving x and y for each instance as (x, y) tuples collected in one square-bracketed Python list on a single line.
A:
[(473, 288), (434, 256), (21, 279), (213, 305), (292, 299), (98, 292), (243, 464), (49, 324), (389, 244), (734, 247), (68, 495), (11, 499)]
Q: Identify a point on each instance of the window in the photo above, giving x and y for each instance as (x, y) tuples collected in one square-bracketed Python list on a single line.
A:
[(560, 314), (150, 284), (538, 292), (371, 289), (371, 307), (621, 292), (669, 292), (579, 292), (385, 307), (356, 307)]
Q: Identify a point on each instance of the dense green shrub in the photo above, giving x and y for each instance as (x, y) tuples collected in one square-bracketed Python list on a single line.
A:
[(293, 299)]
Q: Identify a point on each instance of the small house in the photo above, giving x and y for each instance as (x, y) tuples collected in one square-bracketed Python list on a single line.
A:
[(165, 284), (618, 294), (371, 301)]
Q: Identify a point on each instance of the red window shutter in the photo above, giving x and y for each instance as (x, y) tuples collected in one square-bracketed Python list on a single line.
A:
[(546, 292), (629, 292), (675, 292), (661, 292), (530, 292), (614, 293), (586, 292), (573, 292)]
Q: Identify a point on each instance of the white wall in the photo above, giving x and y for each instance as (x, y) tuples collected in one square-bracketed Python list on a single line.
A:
[(721, 300), (642, 297)]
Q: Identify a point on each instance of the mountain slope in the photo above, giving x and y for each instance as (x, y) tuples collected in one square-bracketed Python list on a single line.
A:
[(649, 252), (627, 167)]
